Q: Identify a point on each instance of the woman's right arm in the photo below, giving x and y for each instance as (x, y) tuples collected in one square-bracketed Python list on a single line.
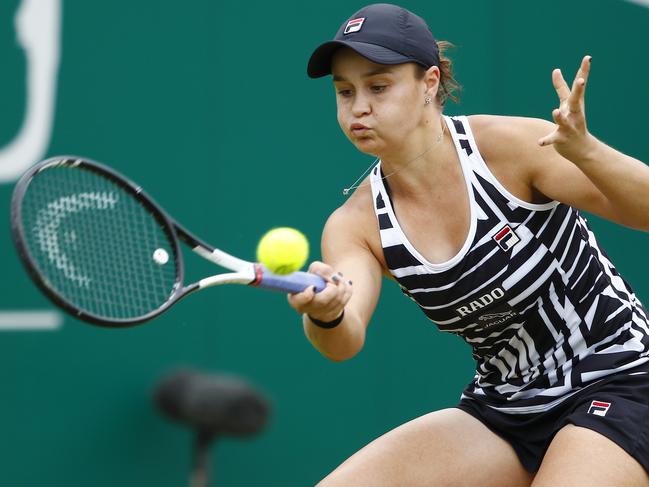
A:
[(353, 276)]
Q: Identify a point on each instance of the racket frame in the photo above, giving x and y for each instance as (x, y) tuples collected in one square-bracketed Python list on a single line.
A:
[(18, 235), (247, 273)]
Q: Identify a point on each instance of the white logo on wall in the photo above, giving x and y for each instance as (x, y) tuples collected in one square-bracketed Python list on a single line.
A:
[(38, 32)]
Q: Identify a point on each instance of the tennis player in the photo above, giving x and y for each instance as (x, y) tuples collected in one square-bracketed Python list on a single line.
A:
[(478, 220)]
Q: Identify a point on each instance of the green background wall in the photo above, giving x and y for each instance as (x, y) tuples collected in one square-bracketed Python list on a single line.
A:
[(207, 105)]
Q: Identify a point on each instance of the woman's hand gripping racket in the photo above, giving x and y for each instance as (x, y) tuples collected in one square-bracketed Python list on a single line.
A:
[(103, 250)]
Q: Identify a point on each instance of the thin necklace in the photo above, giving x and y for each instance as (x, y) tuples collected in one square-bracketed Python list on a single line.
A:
[(375, 162)]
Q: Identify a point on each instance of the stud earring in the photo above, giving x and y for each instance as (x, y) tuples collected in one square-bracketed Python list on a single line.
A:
[(427, 100)]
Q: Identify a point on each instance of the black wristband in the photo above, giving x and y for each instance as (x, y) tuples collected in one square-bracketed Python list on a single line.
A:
[(328, 324)]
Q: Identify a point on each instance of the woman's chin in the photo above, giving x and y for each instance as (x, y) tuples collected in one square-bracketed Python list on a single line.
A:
[(367, 146)]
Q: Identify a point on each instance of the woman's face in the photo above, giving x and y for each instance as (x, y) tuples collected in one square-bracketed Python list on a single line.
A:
[(379, 106)]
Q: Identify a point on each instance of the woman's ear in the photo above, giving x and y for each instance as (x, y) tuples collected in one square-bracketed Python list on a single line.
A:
[(431, 81)]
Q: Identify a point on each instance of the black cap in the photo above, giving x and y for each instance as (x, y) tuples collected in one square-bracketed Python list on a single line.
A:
[(382, 33)]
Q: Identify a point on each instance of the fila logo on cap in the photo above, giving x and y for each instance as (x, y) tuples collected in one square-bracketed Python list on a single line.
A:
[(599, 408), (506, 238), (354, 25)]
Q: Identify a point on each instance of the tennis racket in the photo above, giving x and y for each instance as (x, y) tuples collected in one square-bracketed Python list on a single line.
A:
[(103, 250)]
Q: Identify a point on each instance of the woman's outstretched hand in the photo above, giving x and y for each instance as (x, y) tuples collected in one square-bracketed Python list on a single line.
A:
[(570, 138)]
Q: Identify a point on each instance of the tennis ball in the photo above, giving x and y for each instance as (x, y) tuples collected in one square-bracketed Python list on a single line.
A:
[(283, 250)]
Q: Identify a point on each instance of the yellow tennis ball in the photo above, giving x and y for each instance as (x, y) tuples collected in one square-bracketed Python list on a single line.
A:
[(283, 250)]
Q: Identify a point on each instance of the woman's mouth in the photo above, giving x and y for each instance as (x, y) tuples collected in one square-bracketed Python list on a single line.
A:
[(358, 129)]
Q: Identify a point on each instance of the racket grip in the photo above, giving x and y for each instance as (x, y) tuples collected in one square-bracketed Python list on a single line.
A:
[(295, 282)]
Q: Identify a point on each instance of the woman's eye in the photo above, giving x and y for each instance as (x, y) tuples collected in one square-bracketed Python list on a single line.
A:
[(345, 93), (378, 88)]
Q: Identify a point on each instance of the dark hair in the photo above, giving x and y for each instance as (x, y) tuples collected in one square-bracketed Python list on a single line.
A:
[(448, 85)]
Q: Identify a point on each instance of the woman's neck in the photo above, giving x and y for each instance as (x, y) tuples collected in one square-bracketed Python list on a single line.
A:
[(414, 166)]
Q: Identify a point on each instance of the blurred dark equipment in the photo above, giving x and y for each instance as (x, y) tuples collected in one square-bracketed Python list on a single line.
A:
[(212, 405)]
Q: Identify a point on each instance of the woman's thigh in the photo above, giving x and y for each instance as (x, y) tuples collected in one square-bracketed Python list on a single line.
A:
[(444, 448), (581, 457)]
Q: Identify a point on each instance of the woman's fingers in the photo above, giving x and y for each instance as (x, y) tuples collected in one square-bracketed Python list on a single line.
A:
[(323, 270), (584, 69), (560, 85), (300, 300), (558, 117), (572, 98), (575, 100), (329, 301), (570, 117), (548, 139), (552, 137)]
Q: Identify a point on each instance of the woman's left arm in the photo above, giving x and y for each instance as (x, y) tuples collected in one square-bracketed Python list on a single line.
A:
[(617, 186)]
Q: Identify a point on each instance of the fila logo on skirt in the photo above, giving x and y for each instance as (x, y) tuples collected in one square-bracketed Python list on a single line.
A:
[(506, 238), (599, 408)]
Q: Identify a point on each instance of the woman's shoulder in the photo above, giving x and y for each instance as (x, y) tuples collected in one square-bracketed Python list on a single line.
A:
[(503, 125), (354, 225), (501, 134), (356, 209)]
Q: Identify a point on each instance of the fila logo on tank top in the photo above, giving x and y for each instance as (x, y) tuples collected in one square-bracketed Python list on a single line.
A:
[(545, 311)]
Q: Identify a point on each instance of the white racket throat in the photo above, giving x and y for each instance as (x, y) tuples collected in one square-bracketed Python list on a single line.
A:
[(245, 271), (223, 259)]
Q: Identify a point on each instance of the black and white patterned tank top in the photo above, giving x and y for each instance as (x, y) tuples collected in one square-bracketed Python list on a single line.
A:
[(543, 308)]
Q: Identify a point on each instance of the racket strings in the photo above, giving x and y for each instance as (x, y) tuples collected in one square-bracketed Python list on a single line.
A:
[(94, 244)]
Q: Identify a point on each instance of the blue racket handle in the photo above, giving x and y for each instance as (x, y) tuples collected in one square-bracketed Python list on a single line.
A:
[(290, 283)]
